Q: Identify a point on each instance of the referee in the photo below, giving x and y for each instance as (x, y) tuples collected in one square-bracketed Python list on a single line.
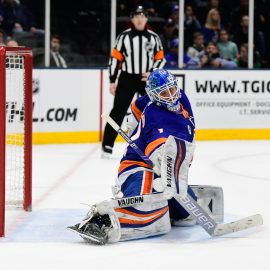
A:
[(137, 52)]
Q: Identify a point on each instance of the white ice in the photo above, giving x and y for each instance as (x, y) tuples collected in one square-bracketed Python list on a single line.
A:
[(66, 177)]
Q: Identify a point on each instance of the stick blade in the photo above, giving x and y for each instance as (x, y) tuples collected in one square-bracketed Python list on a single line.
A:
[(239, 225)]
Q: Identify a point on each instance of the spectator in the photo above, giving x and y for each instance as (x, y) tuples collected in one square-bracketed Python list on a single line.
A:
[(259, 14), (2, 37), (241, 36), (17, 18), (12, 43), (242, 58), (212, 26), (175, 15), (209, 58), (168, 35), (218, 5), (191, 25), (172, 55), (227, 49), (198, 45), (57, 58)]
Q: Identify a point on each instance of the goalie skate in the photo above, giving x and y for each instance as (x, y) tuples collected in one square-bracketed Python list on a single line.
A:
[(95, 230), (92, 234)]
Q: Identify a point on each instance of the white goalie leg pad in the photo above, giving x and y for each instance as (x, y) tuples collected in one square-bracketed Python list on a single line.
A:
[(144, 220), (137, 221), (210, 198), (114, 233), (176, 158)]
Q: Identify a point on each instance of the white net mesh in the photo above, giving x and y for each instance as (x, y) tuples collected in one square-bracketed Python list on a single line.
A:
[(14, 130)]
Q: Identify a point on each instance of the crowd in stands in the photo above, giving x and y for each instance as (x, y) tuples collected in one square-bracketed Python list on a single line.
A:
[(76, 31), (216, 34), (215, 31), (17, 22)]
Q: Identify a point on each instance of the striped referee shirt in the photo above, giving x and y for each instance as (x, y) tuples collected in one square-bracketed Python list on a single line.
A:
[(136, 52)]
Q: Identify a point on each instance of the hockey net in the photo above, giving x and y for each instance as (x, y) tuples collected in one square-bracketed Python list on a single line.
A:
[(15, 130)]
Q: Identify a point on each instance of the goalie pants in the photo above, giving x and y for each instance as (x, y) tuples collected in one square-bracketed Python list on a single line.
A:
[(128, 85), (140, 183)]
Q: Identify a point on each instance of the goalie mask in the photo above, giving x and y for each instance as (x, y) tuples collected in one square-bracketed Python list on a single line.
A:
[(161, 87)]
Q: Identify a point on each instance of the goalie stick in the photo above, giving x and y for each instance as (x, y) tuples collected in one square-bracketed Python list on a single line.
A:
[(189, 204)]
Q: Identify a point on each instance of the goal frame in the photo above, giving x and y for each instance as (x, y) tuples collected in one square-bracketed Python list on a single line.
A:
[(27, 54)]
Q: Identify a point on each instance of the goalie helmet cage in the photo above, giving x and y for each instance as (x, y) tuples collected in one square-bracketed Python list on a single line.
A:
[(15, 130)]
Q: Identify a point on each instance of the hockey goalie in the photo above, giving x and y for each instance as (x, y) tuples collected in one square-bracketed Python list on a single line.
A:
[(148, 200)]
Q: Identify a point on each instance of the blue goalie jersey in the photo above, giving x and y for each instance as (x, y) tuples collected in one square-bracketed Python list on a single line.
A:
[(156, 124)]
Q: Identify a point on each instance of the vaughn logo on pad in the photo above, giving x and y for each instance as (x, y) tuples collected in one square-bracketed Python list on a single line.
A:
[(130, 201)]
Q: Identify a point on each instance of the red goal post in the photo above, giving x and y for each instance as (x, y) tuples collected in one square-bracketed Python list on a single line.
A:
[(15, 130)]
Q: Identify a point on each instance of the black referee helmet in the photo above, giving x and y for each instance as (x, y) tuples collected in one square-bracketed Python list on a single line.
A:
[(139, 10)]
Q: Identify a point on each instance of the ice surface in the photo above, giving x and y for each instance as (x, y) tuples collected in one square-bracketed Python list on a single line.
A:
[(67, 177)]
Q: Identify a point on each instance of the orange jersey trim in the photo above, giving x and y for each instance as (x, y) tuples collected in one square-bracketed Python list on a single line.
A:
[(116, 54), (184, 112), (147, 182), (159, 55), (153, 145), (130, 221), (127, 163), (130, 213), (178, 160), (137, 113)]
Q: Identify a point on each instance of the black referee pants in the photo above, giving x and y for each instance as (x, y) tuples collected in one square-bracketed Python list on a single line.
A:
[(128, 85)]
